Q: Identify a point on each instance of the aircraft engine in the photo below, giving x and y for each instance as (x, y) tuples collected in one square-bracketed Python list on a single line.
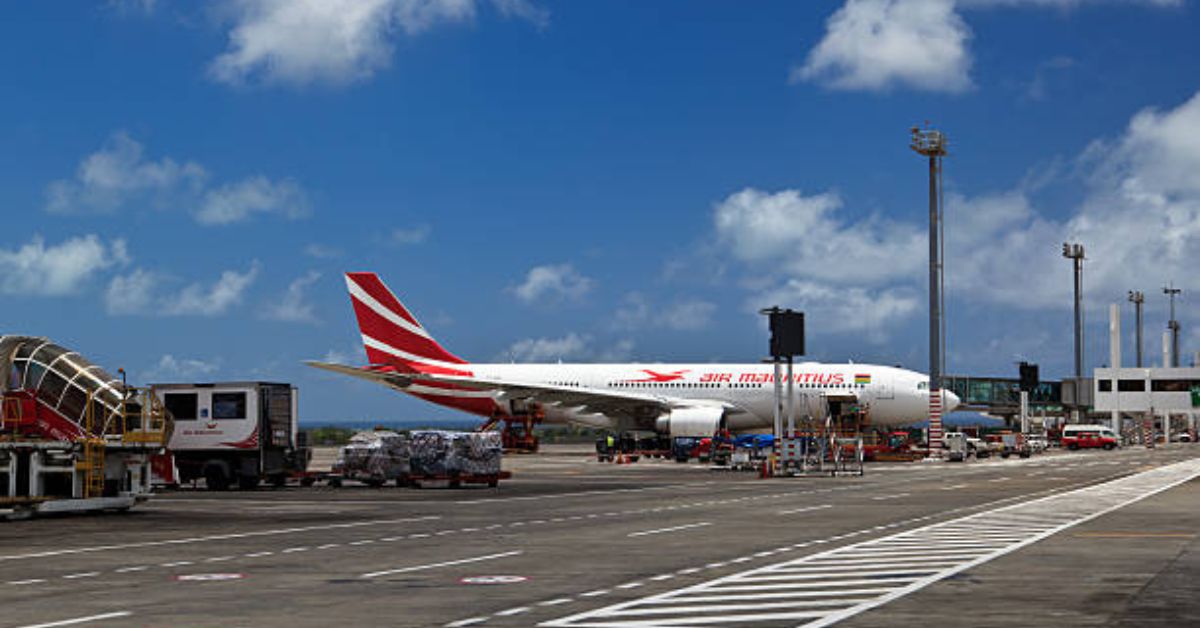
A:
[(702, 422)]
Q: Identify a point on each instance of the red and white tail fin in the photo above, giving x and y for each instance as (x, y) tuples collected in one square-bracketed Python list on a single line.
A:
[(392, 335)]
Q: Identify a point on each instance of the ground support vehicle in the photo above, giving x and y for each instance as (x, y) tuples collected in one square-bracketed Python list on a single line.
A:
[(684, 448), (956, 445), (896, 446), (232, 434), (1014, 443), (1088, 437), (72, 437)]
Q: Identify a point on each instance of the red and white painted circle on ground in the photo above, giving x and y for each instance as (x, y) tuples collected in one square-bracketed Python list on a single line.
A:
[(209, 577), (493, 579)]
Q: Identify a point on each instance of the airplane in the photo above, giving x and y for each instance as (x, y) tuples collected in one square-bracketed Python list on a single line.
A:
[(674, 399)]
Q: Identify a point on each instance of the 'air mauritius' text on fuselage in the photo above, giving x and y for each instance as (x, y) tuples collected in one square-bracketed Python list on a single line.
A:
[(821, 379)]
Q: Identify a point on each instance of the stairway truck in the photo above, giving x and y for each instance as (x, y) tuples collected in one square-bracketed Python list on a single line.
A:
[(232, 434)]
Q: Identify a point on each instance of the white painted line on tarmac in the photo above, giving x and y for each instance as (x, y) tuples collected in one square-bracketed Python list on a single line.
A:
[(670, 529), (375, 574), (805, 509), (513, 611), (894, 496), (86, 574), (470, 621), (29, 581), (81, 620), (132, 569), (215, 537)]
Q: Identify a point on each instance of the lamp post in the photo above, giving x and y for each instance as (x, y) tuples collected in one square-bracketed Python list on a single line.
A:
[(1074, 252), (1173, 325), (932, 144), (1137, 299)]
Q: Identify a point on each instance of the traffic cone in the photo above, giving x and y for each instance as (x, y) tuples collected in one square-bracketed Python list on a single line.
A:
[(620, 458)]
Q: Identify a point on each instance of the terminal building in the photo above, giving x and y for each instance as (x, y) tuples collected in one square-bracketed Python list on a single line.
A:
[(1168, 397)]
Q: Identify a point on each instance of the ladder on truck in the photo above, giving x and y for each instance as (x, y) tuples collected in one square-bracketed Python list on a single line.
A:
[(92, 466)]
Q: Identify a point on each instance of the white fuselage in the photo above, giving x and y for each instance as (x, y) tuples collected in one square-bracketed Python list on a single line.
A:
[(891, 396)]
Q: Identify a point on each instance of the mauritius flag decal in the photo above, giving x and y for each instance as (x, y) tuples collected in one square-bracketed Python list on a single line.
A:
[(862, 378)]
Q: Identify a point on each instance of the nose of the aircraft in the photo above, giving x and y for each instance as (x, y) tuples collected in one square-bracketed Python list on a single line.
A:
[(952, 401)]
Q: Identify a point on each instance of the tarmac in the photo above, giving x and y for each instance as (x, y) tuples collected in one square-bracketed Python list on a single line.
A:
[(1066, 539)]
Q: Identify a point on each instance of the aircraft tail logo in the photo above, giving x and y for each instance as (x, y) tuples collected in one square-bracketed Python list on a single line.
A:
[(392, 335)]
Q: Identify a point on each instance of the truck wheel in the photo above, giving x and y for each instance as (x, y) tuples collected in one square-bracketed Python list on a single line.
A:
[(247, 482), (215, 479), (279, 481), (1108, 446), (1073, 446), (373, 483), (307, 481)]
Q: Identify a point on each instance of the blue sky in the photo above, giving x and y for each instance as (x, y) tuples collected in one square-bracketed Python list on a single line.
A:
[(184, 183)]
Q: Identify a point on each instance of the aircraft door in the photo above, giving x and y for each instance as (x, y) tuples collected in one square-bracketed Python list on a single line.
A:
[(886, 389)]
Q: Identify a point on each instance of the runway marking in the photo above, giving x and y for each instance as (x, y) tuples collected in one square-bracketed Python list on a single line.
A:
[(86, 574), (132, 569), (29, 581), (292, 550), (670, 529), (595, 593), (258, 554), (463, 561), (215, 537), (513, 611), (470, 621), (830, 586), (179, 563), (81, 620), (215, 559), (805, 509), (556, 602), (887, 497)]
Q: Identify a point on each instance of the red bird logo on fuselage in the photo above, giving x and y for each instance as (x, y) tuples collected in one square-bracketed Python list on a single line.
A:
[(661, 377)]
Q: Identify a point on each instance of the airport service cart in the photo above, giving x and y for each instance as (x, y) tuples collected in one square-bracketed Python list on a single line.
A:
[(232, 434)]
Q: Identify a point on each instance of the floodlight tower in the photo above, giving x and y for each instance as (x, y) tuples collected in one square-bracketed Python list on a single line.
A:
[(1137, 299), (931, 143), (1173, 325), (1074, 252)]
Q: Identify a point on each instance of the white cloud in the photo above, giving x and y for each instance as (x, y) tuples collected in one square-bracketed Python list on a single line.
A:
[(636, 312), (131, 294), (553, 282), (571, 346), (415, 235), (354, 354), (880, 44), (171, 368), (236, 202), (876, 45), (118, 174), (1063, 4), (842, 309), (56, 270), (1139, 221), (292, 306), (803, 236), (213, 299), (142, 292), (335, 42), (321, 251)]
